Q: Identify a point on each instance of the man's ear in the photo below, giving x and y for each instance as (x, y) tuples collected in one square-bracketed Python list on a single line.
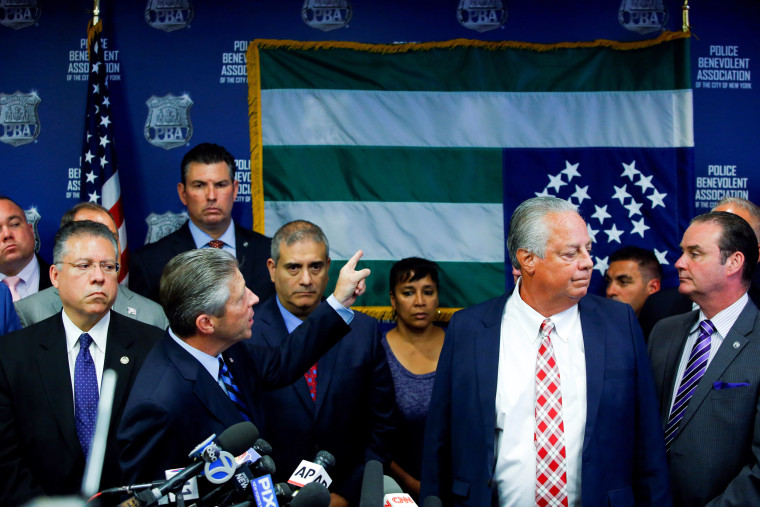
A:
[(653, 286), (527, 261), (271, 265), (735, 263), (53, 272), (205, 324)]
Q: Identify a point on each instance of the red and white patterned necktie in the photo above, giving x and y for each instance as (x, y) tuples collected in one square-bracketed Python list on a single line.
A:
[(549, 435)]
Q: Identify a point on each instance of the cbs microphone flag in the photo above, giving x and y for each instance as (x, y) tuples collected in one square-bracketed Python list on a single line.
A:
[(426, 149)]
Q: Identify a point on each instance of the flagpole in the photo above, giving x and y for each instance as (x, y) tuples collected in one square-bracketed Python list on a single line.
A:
[(96, 12)]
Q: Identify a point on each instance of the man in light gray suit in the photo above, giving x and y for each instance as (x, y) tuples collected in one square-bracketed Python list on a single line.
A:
[(46, 303), (706, 369)]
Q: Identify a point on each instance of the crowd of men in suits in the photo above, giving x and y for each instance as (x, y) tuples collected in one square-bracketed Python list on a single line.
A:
[(545, 396)]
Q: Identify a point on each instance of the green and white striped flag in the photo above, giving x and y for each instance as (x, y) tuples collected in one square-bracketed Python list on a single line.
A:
[(399, 149)]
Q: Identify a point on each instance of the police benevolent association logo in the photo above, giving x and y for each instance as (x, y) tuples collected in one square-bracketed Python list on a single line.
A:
[(163, 225), (168, 124), (643, 16), (326, 15), (481, 15), (19, 14), (19, 122), (169, 15)]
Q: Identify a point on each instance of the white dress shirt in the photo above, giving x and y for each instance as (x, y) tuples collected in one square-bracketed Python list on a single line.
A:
[(515, 468), (99, 335)]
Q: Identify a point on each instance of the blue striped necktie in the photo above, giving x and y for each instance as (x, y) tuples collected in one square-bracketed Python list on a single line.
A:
[(232, 390), (86, 394), (695, 369)]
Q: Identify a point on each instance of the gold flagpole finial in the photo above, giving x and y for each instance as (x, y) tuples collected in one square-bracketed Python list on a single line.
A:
[(96, 12), (685, 10)]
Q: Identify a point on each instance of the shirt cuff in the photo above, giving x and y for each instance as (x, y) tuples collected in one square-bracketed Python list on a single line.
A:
[(347, 314)]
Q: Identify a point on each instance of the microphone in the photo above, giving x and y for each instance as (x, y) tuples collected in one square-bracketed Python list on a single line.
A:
[(313, 494), (372, 485), (394, 496), (234, 440), (262, 447), (264, 493), (308, 472)]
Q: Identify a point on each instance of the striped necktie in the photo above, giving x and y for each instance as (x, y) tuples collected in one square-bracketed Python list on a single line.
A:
[(695, 369), (232, 390)]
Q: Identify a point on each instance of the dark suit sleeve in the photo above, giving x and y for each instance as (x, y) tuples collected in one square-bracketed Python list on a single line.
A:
[(650, 469), (140, 278), (744, 489), (148, 429), (17, 483), (283, 365), (382, 416), (436, 456)]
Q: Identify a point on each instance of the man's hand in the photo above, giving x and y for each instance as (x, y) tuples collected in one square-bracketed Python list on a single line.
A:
[(337, 501), (351, 283)]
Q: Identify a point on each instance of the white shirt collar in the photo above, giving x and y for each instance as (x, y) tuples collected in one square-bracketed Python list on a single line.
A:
[(98, 333), (563, 321)]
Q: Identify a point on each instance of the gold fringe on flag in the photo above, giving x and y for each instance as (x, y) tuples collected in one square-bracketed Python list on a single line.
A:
[(386, 313)]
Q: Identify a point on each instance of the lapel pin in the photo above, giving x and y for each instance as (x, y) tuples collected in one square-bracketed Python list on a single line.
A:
[(131, 311), (124, 360), (245, 243), (737, 345), (231, 360)]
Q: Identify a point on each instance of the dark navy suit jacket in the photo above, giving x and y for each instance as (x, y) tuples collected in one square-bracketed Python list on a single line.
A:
[(39, 449), (715, 457), (251, 248), (354, 412), (623, 457), (175, 404)]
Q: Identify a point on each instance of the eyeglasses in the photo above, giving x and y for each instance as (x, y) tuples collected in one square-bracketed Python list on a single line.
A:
[(84, 267)]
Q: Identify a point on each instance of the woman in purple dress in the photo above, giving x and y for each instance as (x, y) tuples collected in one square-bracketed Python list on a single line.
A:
[(412, 347)]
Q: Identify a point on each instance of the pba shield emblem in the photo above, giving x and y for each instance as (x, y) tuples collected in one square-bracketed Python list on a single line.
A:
[(19, 122), (18, 14), (168, 124), (168, 15)]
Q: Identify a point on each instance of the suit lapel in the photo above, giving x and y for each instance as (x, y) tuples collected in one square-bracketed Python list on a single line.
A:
[(594, 345), (486, 340), (673, 352), (325, 372), (183, 240), (733, 343), (54, 373), (205, 388), (274, 333), (118, 358)]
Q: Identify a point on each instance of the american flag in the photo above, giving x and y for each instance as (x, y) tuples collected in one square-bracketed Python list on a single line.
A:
[(100, 177)]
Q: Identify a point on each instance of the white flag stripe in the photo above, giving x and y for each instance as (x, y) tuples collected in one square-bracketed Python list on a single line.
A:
[(111, 191), (445, 232), (477, 119)]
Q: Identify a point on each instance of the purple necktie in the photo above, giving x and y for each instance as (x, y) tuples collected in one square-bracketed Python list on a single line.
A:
[(695, 369), (86, 394)]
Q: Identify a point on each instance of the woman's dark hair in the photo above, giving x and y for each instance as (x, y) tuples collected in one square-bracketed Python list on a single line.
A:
[(412, 269)]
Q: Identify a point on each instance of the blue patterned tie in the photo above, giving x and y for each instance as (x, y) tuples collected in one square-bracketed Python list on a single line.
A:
[(695, 369), (232, 390), (85, 394)]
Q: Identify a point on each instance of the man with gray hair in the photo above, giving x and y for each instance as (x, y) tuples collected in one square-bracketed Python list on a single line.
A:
[(50, 372), (45, 303), (545, 396), (345, 402), (200, 379)]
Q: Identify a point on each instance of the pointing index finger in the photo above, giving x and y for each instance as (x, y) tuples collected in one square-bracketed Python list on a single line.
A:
[(353, 261)]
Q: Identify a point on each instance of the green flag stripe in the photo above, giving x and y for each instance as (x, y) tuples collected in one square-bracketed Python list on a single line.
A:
[(473, 69), (483, 281), (366, 173)]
